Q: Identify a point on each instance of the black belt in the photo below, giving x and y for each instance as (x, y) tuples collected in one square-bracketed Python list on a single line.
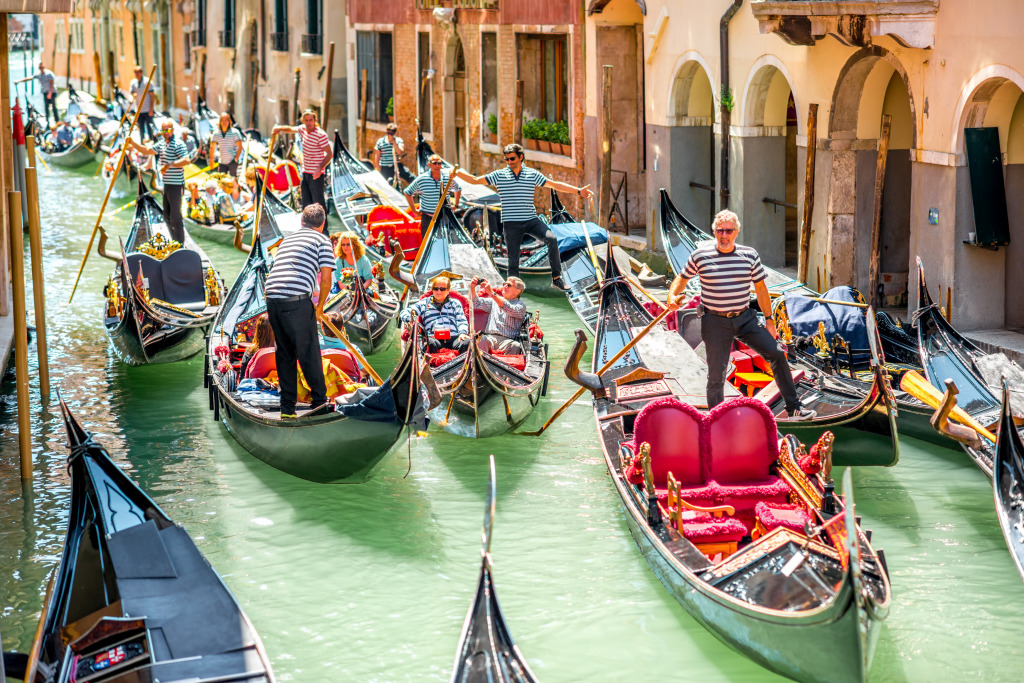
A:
[(297, 297), (727, 314)]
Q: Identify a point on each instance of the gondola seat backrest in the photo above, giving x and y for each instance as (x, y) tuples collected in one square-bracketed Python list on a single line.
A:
[(151, 270), (262, 363), (183, 277), (344, 360), (673, 430), (742, 441)]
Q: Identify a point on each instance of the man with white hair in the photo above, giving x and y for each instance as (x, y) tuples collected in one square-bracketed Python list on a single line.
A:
[(726, 271), (505, 314)]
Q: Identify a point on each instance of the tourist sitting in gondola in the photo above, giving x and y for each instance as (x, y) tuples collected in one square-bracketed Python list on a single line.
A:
[(63, 136), (506, 312), (196, 207), (231, 201), (351, 261), (262, 338), (441, 317)]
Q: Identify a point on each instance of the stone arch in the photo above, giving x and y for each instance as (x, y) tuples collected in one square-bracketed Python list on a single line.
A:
[(760, 93), (977, 97), (864, 68), (691, 98)]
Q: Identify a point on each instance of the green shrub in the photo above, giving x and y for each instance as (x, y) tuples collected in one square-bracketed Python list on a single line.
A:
[(559, 132), (531, 129), (492, 124), (390, 110)]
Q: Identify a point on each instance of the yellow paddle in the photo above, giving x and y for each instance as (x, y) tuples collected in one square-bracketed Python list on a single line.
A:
[(132, 202), (921, 389)]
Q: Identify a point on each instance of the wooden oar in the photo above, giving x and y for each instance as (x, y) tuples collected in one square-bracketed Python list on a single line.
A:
[(593, 254), (110, 187), (263, 192), (387, 200), (353, 348), (119, 124), (430, 228), (611, 361), (920, 388), (42, 162)]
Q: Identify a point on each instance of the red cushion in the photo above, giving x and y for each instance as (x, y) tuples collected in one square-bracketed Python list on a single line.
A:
[(516, 360), (262, 363), (716, 530), (773, 515), (344, 360), (741, 442), (441, 357), (673, 431)]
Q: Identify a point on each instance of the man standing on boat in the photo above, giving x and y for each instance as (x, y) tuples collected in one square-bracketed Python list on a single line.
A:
[(48, 87), (136, 87), (429, 186), (506, 312), (172, 157), (228, 142), (303, 258), (316, 154), (515, 185), (384, 158), (441, 318), (726, 271)]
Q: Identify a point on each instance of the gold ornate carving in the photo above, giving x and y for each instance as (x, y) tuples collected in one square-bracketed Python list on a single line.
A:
[(159, 247), (212, 288), (821, 341), (798, 480)]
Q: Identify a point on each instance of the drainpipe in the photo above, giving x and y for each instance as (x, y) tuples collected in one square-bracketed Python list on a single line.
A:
[(726, 114)]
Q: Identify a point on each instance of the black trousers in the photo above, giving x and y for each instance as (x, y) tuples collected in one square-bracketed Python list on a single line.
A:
[(435, 345), (718, 333), (231, 168), (425, 222), (295, 332), (172, 212), (145, 125), (313, 190), (514, 232), (389, 173), (50, 102)]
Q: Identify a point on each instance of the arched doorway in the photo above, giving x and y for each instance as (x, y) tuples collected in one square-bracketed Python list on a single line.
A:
[(456, 142), (691, 142), (872, 84), (768, 187)]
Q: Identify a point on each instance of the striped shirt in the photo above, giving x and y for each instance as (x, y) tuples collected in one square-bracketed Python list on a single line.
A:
[(46, 81), (450, 313), (297, 264), (135, 88), (503, 320), (169, 152), (227, 147), (517, 192), (387, 150), (725, 279), (429, 190), (313, 153)]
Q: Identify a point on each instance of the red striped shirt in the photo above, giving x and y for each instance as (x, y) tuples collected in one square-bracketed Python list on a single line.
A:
[(313, 153)]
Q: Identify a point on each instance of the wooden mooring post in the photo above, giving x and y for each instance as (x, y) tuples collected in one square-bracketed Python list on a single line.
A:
[(805, 235), (35, 244), (362, 117), (17, 242), (325, 108), (604, 193), (876, 222)]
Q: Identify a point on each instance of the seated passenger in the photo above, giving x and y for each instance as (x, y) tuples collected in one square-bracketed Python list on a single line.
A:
[(197, 208), (211, 196), (441, 318), (64, 136), (350, 255), (506, 312), (262, 338), (327, 338)]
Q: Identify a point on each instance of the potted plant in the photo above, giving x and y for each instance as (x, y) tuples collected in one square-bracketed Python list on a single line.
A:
[(544, 136), (492, 126), (561, 139), (530, 132), (390, 110)]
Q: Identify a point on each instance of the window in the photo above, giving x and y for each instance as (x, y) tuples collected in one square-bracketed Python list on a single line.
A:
[(140, 45), (200, 24), (94, 23), (279, 38), (58, 36), (120, 39), (187, 57), (426, 84), (544, 70), (77, 30), (282, 113), (373, 53), (488, 82), (227, 34), (312, 39)]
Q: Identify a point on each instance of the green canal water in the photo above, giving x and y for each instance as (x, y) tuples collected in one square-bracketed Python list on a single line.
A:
[(372, 582)]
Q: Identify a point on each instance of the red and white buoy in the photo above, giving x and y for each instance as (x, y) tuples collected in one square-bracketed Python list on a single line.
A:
[(19, 158)]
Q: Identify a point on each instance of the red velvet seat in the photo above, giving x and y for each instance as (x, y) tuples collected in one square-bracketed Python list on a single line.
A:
[(673, 431), (769, 516), (344, 360), (262, 363)]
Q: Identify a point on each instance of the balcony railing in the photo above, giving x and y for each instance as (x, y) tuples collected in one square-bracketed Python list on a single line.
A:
[(226, 38), (199, 38), (279, 41), (427, 4), (312, 43), (475, 4)]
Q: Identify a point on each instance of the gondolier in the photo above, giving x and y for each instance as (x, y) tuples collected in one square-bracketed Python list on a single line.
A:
[(48, 87), (384, 156), (303, 258), (506, 312), (147, 109), (726, 271), (172, 157), (515, 185), (429, 186), (228, 142), (316, 154)]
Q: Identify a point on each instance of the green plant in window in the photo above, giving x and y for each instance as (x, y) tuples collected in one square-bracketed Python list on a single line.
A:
[(492, 124), (530, 129), (390, 110), (560, 133)]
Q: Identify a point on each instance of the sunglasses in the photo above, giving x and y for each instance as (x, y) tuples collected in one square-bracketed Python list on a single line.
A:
[(724, 231), (435, 163), (439, 289), (511, 158)]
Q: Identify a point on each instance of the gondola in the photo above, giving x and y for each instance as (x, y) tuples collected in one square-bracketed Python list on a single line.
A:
[(286, 219), (162, 295), (482, 394), (81, 152), (86, 104), (133, 599), (1008, 483), (863, 421), (369, 319), (343, 445), (136, 166), (486, 652), (739, 524)]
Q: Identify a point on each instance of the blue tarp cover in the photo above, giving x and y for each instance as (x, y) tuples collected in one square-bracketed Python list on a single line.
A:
[(848, 321), (570, 235)]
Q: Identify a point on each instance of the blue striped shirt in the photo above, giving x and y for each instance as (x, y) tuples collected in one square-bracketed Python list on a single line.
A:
[(725, 279), (387, 151), (227, 144), (450, 313), (46, 81), (169, 152), (297, 264), (429, 190), (517, 192)]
